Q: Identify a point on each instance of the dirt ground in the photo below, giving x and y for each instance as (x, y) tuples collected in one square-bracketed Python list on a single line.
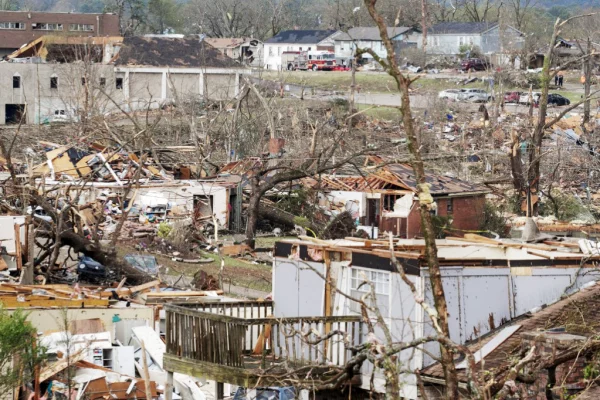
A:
[(242, 272)]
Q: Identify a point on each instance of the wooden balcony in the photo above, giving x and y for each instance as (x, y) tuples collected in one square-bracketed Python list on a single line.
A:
[(243, 345)]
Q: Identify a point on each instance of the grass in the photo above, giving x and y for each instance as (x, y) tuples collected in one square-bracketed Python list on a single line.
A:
[(373, 82), (379, 112), (237, 271)]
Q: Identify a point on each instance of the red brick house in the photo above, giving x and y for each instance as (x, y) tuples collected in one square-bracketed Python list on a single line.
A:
[(20, 27), (386, 199)]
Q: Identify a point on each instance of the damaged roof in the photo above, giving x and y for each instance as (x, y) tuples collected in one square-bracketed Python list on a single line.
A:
[(399, 177), (309, 36), (172, 52), (223, 43), (577, 314)]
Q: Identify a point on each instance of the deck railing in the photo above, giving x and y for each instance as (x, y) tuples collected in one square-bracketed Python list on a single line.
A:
[(251, 343)]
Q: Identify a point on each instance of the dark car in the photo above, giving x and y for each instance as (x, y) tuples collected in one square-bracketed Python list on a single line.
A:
[(270, 393), (90, 269), (474, 64), (512, 97), (558, 100)]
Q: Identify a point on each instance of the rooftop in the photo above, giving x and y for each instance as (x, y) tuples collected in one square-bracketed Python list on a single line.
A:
[(310, 36), (397, 177), (223, 43), (172, 52), (370, 33), (461, 27)]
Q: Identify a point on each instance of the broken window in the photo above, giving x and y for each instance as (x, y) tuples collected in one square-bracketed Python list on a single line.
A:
[(83, 81), (102, 82), (16, 82), (47, 27), (54, 82), (449, 206), (119, 83)]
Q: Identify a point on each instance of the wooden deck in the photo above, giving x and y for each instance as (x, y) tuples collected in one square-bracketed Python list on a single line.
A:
[(251, 351)]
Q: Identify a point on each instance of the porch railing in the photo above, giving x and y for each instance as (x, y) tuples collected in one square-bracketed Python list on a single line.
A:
[(264, 342)]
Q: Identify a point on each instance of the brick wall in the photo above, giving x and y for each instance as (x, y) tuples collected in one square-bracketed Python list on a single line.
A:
[(568, 377), (466, 212), (104, 25)]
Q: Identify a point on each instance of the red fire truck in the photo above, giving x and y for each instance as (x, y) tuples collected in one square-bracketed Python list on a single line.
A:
[(308, 60)]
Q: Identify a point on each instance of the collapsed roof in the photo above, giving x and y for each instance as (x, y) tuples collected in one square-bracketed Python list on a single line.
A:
[(576, 314), (398, 177), (172, 52)]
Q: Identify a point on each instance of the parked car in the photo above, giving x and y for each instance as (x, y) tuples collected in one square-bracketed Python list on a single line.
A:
[(558, 100), (474, 95), (524, 98), (270, 393), (90, 269), (449, 94), (474, 64), (512, 97)]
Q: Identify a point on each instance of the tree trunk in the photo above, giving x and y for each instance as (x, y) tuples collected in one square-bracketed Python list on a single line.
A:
[(253, 215), (535, 150), (425, 204), (587, 73), (424, 14)]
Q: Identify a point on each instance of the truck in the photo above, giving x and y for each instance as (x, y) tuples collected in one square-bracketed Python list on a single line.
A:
[(318, 60)]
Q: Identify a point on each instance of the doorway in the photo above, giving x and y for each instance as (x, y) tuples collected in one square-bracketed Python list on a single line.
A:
[(14, 113)]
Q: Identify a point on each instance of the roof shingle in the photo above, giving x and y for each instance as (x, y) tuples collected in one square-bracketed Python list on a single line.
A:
[(461, 27), (301, 36)]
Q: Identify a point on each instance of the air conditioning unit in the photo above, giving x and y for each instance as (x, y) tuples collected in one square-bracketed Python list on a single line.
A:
[(34, 24)]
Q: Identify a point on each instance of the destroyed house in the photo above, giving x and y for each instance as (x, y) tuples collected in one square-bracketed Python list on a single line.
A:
[(385, 200), (487, 283), (560, 337), (103, 175)]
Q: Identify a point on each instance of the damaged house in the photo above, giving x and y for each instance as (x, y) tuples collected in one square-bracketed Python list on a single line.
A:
[(385, 200), (487, 283), (60, 78)]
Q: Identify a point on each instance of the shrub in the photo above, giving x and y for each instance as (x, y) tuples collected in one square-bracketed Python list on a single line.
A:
[(494, 219), (164, 230)]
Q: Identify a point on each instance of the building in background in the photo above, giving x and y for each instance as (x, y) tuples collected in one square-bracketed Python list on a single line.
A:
[(47, 81), (244, 50), (296, 41), (21, 27), (369, 38), (453, 38)]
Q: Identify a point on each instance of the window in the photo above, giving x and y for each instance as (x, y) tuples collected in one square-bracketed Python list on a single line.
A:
[(12, 25), (16, 82), (60, 112), (47, 27), (119, 83), (449, 206), (102, 82), (279, 50), (378, 280), (300, 49), (81, 27), (271, 51), (83, 81), (461, 40), (54, 82)]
